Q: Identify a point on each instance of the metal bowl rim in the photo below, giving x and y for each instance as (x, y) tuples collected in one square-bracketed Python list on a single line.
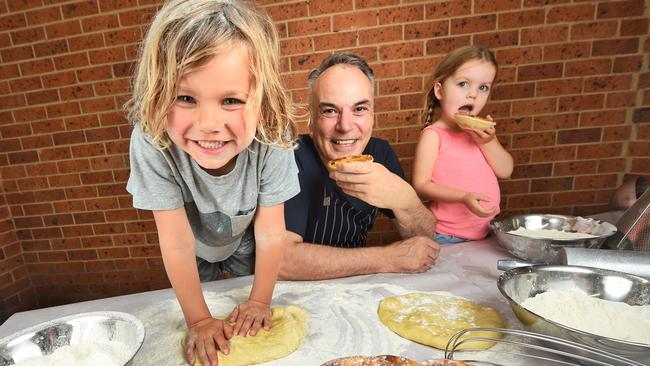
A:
[(559, 240), (561, 268), (140, 330)]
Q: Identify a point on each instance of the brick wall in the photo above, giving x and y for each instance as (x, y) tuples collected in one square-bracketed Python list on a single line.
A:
[(572, 106)]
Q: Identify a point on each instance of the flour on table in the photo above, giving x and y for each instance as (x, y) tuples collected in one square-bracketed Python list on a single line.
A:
[(343, 321), (549, 234), (111, 353), (605, 318)]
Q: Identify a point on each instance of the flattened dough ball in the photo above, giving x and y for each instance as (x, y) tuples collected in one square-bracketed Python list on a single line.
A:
[(433, 318), (286, 335)]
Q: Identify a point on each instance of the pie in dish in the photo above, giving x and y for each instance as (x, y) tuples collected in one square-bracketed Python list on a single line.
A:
[(349, 159), (384, 360), (473, 122)]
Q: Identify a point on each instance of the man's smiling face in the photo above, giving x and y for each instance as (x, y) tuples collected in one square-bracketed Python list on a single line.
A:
[(341, 112)]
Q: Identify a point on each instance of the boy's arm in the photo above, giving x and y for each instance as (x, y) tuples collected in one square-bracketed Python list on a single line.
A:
[(178, 253), (270, 241)]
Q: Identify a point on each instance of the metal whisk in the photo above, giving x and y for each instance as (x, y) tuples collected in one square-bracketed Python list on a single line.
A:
[(634, 227), (556, 351)]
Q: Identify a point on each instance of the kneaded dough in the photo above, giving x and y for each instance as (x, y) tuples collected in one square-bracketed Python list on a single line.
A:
[(433, 318), (286, 335)]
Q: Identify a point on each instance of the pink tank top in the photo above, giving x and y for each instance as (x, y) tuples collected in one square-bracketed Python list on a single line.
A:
[(461, 165)]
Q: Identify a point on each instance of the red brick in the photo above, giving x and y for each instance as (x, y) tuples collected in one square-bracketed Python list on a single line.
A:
[(356, 20), (448, 9), (594, 30), (17, 53), (107, 55), (497, 39), (595, 151), (554, 154), (319, 7), (473, 24), (573, 198), (404, 50), (86, 42), (428, 29), (63, 29), (41, 16), (588, 67), (534, 106), (539, 72), (514, 91), (618, 133), (567, 51), (615, 47), (575, 167), (529, 200), (581, 102), (12, 21), (544, 34), (335, 40), (628, 64), (571, 13), (579, 136), (595, 181), (29, 35), (532, 171), (400, 86), (289, 11), (602, 118), (438, 46), (620, 9), (100, 22), (520, 56), (404, 14), (288, 47)]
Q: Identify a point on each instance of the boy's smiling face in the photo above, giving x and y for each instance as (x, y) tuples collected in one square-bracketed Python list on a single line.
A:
[(208, 118)]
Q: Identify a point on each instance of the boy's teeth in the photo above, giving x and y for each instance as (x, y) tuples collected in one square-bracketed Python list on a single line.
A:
[(210, 144), (344, 142)]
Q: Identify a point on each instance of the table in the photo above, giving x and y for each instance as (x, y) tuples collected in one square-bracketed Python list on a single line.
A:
[(466, 269)]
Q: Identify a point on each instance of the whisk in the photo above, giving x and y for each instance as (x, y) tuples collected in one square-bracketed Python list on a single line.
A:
[(634, 227), (556, 351)]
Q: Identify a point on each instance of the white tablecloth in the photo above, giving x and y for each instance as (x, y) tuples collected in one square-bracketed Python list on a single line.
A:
[(467, 269)]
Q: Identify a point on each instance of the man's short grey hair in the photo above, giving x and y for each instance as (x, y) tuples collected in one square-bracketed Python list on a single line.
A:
[(342, 59)]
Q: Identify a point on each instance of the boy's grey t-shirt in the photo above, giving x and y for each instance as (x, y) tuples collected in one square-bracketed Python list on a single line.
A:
[(220, 209)]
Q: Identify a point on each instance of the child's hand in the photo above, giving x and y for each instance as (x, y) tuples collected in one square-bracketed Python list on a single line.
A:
[(483, 136), (201, 339), (251, 315), (473, 202)]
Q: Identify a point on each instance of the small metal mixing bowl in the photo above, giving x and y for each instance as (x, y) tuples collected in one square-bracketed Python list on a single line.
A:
[(100, 327), (546, 251), (519, 284)]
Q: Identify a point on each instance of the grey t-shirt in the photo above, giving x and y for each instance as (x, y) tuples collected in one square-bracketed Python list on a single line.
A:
[(220, 209)]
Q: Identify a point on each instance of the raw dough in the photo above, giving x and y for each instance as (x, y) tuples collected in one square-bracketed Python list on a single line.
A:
[(433, 318), (286, 334)]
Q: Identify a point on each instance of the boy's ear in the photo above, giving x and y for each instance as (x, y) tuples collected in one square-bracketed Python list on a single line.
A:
[(437, 90)]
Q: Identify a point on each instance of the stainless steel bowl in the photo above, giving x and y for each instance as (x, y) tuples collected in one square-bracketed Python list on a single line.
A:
[(104, 328), (546, 251), (519, 284)]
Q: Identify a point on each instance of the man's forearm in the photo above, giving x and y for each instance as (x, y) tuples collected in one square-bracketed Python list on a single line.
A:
[(305, 261), (414, 221)]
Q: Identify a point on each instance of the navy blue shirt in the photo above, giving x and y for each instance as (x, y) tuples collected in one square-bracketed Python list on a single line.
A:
[(322, 213)]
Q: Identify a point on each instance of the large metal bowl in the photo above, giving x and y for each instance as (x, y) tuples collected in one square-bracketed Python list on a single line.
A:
[(519, 284), (105, 329), (546, 251)]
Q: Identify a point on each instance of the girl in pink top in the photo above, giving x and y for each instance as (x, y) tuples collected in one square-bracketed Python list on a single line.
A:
[(456, 169)]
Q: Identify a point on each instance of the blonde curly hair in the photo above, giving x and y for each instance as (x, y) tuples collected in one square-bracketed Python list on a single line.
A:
[(186, 34)]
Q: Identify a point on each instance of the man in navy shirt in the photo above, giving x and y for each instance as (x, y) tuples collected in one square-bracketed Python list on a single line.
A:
[(329, 220)]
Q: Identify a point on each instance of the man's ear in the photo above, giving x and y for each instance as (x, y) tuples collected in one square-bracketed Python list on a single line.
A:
[(437, 90)]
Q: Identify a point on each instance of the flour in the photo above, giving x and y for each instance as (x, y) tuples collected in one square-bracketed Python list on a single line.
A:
[(549, 234), (605, 318), (343, 321), (82, 354)]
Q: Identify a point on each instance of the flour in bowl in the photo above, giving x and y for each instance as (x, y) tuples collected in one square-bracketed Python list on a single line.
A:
[(611, 319), (549, 234), (95, 354)]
